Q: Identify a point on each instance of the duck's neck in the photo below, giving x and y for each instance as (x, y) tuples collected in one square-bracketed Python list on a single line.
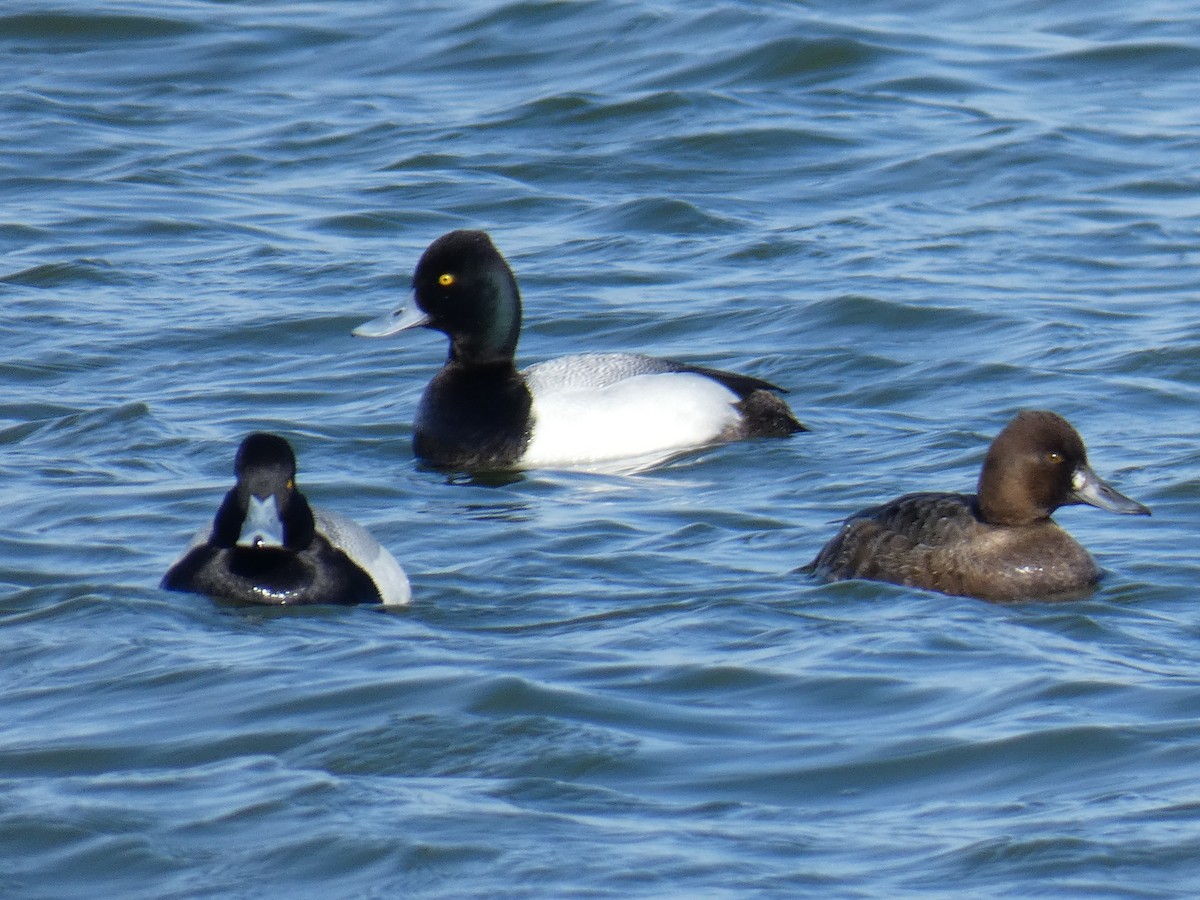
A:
[(1008, 503), (472, 352)]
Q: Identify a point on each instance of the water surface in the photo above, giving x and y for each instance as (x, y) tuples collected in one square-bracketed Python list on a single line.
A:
[(918, 218)]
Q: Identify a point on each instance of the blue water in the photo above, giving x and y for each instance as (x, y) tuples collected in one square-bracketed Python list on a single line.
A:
[(917, 217)]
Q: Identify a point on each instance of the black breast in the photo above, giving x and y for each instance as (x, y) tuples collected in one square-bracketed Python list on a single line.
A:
[(474, 417), (273, 576)]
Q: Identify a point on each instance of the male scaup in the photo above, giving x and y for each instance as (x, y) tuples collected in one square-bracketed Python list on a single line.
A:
[(479, 412), (999, 544), (268, 546)]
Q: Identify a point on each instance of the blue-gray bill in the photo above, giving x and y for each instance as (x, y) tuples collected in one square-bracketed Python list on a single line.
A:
[(263, 527), (1093, 490), (409, 316)]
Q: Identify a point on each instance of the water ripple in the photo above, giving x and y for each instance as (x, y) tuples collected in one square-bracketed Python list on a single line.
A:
[(918, 221)]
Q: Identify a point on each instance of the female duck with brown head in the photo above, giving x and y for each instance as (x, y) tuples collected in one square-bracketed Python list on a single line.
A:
[(999, 544)]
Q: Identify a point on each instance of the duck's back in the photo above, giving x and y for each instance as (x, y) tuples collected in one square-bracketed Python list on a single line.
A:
[(937, 542), (592, 370), (761, 412)]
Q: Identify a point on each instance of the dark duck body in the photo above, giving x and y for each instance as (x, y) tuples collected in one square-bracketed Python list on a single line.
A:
[(998, 544), (268, 546), (481, 412)]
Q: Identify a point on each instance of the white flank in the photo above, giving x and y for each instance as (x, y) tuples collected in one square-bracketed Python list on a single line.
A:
[(640, 415), (358, 544)]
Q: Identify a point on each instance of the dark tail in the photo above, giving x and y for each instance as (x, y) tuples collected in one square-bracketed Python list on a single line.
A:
[(765, 414)]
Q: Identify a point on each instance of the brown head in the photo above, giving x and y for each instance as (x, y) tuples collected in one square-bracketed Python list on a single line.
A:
[(1037, 464)]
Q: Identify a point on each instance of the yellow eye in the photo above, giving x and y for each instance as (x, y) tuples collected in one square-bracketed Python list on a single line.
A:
[(291, 484), (446, 279), (1054, 456)]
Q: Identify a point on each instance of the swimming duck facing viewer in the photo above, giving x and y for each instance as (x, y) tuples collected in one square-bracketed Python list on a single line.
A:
[(999, 544), (268, 546), (479, 412)]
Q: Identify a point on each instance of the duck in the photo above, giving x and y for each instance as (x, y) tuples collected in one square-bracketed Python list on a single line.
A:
[(268, 546), (998, 544), (480, 413)]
